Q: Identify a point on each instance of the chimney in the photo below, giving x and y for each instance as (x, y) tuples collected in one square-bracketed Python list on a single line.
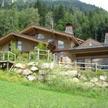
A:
[(106, 38), (69, 29)]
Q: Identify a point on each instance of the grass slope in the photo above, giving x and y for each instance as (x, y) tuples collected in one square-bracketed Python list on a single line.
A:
[(13, 95)]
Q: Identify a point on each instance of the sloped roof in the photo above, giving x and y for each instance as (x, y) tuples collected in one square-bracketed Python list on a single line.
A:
[(80, 40), (89, 43), (76, 40), (10, 36)]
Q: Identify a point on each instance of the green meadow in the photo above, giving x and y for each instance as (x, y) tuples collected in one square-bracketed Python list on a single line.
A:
[(15, 95)]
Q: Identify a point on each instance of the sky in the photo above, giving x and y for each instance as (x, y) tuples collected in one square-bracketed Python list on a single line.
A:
[(100, 3)]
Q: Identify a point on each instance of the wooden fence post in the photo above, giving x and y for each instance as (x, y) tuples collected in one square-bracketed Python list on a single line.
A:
[(3, 56), (38, 54), (54, 58), (96, 67), (75, 65), (29, 57), (8, 55), (7, 65), (48, 55)]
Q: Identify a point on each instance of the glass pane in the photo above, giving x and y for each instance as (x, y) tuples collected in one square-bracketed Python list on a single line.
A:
[(19, 45), (60, 44), (40, 36)]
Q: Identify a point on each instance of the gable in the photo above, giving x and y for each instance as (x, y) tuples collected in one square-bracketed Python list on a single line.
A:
[(33, 30), (90, 43), (12, 36)]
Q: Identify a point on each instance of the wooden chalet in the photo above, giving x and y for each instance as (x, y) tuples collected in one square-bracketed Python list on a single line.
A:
[(91, 51), (23, 42), (27, 39), (63, 44)]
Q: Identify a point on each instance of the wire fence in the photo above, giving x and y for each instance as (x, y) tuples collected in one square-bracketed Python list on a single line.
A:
[(84, 66)]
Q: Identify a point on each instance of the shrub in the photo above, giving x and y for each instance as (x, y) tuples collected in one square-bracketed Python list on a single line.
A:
[(24, 57), (41, 46), (14, 49), (10, 76)]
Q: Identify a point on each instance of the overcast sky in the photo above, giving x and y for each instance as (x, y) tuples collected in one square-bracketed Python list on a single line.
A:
[(99, 3)]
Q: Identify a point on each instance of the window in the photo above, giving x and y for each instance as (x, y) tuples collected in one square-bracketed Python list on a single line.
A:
[(9, 46), (19, 45), (60, 44), (40, 36)]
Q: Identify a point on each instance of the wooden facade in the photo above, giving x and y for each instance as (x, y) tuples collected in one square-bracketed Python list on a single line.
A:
[(23, 42), (66, 45), (90, 51), (33, 35)]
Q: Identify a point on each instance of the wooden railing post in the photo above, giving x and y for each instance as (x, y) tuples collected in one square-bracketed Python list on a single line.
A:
[(48, 55), (8, 55), (38, 54), (75, 65), (29, 57), (96, 67), (3, 56)]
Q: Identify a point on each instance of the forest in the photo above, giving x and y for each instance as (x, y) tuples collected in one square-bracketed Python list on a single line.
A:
[(88, 21)]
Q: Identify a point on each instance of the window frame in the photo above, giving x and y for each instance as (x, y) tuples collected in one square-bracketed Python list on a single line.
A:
[(61, 44), (19, 45), (40, 37)]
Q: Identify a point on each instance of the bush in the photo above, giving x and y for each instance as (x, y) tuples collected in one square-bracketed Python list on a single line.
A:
[(10, 76), (14, 49), (24, 57), (41, 46)]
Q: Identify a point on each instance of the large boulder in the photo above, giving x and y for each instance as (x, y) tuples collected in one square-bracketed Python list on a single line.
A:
[(76, 80), (34, 69), (19, 65), (47, 66), (101, 84), (19, 71), (31, 77), (26, 72), (32, 64), (103, 77)]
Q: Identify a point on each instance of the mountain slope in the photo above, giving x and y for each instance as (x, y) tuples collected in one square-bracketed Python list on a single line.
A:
[(72, 4)]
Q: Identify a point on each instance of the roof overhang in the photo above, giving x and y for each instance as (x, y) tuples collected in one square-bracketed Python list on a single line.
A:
[(11, 36), (77, 41), (97, 51)]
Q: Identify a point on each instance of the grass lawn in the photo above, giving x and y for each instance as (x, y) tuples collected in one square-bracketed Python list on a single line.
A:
[(13, 95)]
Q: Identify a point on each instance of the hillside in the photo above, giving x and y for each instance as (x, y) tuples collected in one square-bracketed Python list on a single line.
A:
[(89, 21), (72, 4), (19, 96)]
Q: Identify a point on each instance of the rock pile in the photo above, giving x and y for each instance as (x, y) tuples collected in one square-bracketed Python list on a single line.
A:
[(100, 82), (33, 71), (27, 70)]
